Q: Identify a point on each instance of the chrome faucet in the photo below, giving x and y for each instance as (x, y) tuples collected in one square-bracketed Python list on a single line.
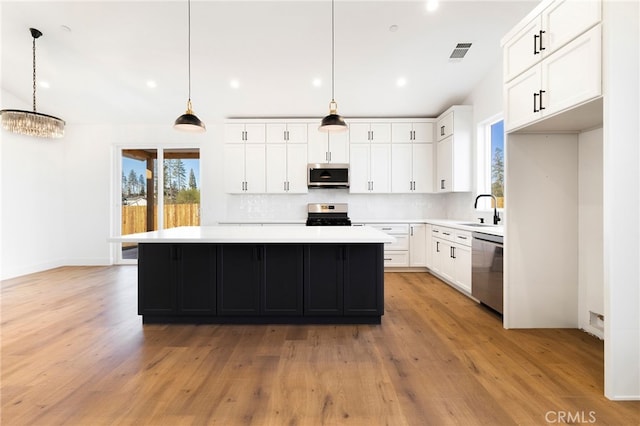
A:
[(496, 218)]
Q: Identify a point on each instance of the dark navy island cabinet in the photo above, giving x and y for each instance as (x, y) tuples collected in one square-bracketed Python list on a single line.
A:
[(260, 283)]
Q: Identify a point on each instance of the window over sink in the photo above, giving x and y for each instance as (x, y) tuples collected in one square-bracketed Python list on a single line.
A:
[(490, 161)]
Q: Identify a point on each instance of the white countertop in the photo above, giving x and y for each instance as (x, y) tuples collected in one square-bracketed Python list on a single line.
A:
[(260, 234), (466, 225)]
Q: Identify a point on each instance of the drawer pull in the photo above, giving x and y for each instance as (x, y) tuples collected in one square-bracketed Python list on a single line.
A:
[(387, 229), (388, 258), (461, 237)]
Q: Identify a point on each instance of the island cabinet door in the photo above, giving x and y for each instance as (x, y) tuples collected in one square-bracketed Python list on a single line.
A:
[(156, 279), (196, 279), (363, 285), (282, 287), (323, 279), (239, 278)]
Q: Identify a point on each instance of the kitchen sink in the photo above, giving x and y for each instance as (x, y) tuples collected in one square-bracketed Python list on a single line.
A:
[(476, 224)]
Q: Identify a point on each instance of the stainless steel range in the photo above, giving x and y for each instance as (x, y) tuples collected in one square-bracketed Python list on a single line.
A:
[(327, 214)]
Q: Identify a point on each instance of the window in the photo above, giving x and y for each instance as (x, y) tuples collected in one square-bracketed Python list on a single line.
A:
[(491, 162)]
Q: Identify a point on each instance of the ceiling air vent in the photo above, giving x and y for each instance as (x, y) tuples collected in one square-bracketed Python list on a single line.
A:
[(459, 51)]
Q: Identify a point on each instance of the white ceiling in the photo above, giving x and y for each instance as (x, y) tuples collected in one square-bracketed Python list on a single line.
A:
[(99, 69)]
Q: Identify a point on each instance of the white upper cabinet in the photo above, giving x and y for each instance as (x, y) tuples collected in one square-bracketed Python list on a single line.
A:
[(244, 168), (553, 24), (412, 156), (286, 133), (360, 132), (286, 167), (412, 132), (327, 147), (244, 133), (570, 76), (244, 158), (453, 150), (412, 168), (444, 125), (370, 168)]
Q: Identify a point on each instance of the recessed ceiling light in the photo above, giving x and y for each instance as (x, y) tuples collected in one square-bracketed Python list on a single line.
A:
[(393, 28), (151, 84), (44, 84), (65, 28), (401, 82), (316, 82), (432, 5), (234, 83)]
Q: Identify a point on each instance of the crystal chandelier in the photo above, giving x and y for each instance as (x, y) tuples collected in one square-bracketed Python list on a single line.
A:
[(32, 123)]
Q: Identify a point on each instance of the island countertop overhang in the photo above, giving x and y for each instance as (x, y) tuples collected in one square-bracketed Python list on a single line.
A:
[(260, 235)]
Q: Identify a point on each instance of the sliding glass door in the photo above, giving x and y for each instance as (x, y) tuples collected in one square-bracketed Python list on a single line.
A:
[(154, 180)]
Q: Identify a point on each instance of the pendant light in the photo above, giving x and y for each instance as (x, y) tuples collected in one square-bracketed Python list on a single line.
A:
[(188, 121), (333, 122), (32, 123)]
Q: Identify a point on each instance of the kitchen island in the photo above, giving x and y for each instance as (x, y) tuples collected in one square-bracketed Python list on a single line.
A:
[(275, 274)]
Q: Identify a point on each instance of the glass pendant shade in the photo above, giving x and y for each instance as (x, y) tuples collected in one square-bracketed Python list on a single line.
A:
[(333, 122), (32, 123), (188, 122)]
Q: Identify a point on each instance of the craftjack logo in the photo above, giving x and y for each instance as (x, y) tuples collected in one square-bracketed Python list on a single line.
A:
[(570, 417)]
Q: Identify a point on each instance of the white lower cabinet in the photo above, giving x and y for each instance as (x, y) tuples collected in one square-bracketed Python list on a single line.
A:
[(417, 244), (409, 248), (451, 256)]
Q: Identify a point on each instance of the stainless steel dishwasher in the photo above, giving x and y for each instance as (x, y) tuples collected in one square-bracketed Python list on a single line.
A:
[(486, 271)]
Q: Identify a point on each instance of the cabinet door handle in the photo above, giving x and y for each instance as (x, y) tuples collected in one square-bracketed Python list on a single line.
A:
[(535, 44), (413, 135), (453, 252), (411, 231), (541, 92), (540, 38), (535, 107), (437, 246), (442, 184), (441, 130)]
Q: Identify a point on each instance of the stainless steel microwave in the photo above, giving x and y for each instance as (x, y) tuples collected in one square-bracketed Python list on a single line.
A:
[(328, 175)]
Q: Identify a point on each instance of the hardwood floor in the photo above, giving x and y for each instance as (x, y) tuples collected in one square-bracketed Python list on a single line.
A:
[(74, 352)]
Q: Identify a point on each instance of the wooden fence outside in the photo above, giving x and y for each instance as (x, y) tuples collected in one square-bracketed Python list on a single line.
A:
[(134, 218)]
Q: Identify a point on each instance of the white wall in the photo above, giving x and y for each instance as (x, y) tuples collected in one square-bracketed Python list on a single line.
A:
[(590, 249), (32, 223), (487, 100)]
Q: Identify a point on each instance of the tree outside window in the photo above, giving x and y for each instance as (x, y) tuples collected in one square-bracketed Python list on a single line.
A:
[(497, 162)]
